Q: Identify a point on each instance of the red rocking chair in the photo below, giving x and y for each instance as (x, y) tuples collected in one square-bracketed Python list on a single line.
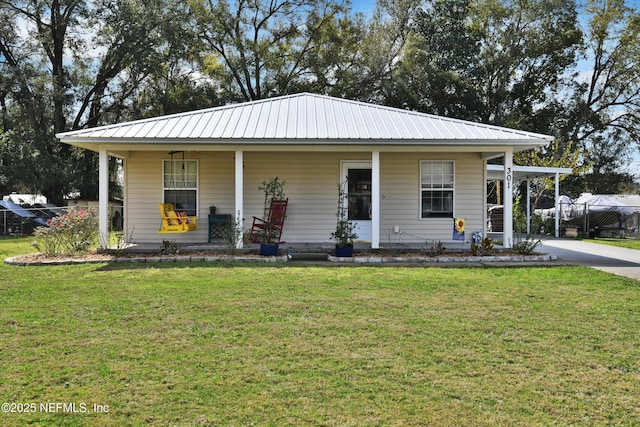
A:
[(270, 230)]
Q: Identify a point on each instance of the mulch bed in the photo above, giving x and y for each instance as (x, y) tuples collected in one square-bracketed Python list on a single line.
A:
[(358, 258)]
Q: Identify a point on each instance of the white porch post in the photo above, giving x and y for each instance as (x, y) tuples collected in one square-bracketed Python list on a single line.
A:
[(528, 207), (557, 197), (103, 198), (508, 200), (239, 190), (375, 199)]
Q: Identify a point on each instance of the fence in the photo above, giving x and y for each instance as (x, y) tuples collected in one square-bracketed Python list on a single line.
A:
[(22, 221), (601, 220)]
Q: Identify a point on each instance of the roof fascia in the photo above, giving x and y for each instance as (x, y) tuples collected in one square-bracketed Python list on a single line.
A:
[(488, 150), (496, 172)]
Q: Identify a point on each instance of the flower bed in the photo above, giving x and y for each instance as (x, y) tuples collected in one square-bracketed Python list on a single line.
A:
[(359, 258)]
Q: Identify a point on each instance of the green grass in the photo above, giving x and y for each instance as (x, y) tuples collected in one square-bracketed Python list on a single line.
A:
[(623, 243), (213, 344)]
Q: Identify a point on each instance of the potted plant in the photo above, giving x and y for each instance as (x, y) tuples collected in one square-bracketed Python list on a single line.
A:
[(270, 226), (345, 232)]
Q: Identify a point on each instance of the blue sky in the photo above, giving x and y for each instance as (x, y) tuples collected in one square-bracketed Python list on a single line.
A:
[(364, 6)]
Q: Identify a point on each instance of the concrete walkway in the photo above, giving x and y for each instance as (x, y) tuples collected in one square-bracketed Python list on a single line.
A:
[(612, 259)]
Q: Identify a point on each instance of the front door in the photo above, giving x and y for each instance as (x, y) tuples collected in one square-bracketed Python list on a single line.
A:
[(358, 196)]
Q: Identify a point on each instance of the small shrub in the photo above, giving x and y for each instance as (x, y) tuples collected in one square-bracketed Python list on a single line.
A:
[(345, 232), (542, 226), (123, 240), (484, 248), (519, 216), (75, 232), (394, 239), (437, 248), (46, 243), (475, 249), (526, 246), (169, 247)]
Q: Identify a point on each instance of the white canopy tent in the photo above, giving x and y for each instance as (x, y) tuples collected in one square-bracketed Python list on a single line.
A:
[(617, 213)]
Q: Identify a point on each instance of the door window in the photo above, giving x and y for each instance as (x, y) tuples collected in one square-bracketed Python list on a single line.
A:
[(359, 194)]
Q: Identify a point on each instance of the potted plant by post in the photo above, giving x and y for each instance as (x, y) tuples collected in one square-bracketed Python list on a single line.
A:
[(345, 232), (269, 227)]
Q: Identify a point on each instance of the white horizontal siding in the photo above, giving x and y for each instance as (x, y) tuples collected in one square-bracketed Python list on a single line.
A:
[(144, 193), (311, 186), (470, 192), (143, 187), (400, 198)]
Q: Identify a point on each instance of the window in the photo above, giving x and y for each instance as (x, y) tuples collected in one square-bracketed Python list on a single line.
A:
[(436, 189), (180, 184), (359, 193)]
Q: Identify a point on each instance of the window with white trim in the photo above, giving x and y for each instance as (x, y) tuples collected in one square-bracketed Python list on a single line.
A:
[(180, 184), (436, 188)]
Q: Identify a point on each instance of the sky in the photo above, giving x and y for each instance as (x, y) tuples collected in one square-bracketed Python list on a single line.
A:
[(364, 6)]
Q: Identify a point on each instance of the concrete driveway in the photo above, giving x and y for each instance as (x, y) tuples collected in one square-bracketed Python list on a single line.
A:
[(620, 261)]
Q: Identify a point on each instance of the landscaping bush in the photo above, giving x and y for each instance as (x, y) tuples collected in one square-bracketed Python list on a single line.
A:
[(526, 246), (75, 232), (485, 247)]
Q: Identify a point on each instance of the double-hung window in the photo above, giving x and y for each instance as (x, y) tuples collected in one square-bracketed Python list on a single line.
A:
[(180, 184), (436, 188)]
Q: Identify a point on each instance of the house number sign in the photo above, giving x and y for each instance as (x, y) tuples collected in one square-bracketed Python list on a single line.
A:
[(509, 176)]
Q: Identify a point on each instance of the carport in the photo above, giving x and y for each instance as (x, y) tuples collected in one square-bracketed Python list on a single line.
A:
[(527, 173)]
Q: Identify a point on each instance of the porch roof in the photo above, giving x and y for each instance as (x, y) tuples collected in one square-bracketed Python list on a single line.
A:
[(522, 173), (304, 119)]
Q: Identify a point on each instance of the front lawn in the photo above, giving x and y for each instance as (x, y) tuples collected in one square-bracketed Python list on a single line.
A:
[(191, 344), (623, 243)]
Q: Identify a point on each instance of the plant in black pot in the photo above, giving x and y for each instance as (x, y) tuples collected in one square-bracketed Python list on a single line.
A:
[(345, 232), (268, 229)]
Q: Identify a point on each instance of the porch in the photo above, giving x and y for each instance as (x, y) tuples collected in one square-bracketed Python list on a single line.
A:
[(229, 182)]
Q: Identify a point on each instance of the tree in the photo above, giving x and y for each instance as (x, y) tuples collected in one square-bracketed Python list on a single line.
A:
[(527, 47), (141, 42), (336, 65), (555, 155), (175, 89), (490, 61), (75, 65), (604, 109), (438, 70), (35, 102), (260, 48), (515, 64)]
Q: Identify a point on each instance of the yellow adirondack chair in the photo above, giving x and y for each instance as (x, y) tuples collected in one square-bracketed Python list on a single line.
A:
[(175, 222)]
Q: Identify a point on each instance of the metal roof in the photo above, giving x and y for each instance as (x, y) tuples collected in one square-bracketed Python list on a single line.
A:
[(304, 119)]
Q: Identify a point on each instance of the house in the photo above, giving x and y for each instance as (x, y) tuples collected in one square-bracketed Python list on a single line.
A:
[(412, 173)]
